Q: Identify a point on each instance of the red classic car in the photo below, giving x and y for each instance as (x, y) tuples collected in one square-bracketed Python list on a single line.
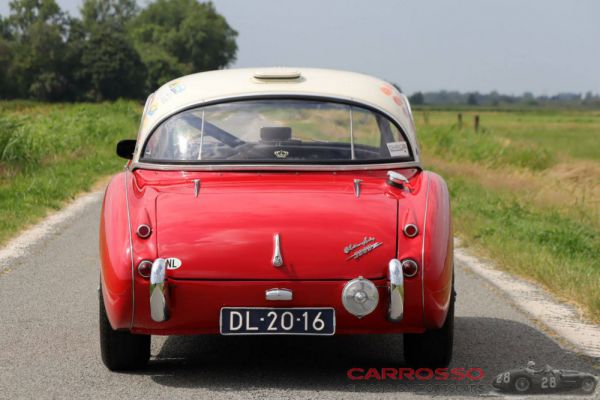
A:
[(275, 202)]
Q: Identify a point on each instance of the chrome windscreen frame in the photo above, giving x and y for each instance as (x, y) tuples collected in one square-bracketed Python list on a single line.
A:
[(274, 167)]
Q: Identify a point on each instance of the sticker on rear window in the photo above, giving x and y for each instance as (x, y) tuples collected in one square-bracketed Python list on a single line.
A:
[(398, 149)]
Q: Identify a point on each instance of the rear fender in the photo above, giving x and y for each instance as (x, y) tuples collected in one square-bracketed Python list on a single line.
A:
[(115, 254), (438, 253)]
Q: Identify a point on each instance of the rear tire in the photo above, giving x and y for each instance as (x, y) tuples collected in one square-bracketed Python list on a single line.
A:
[(588, 385), (432, 349), (522, 385), (121, 350)]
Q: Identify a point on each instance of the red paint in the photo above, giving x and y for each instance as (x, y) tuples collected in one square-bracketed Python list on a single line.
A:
[(224, 239)]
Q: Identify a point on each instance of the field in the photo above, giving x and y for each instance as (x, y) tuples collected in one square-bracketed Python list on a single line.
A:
[(50, 153), (525, 187), (526, 192)]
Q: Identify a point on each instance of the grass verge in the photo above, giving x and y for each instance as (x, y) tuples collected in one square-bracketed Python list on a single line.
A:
[(50, 153), (525, 193)]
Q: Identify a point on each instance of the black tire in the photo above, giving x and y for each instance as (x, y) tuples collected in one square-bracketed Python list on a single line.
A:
[(432, 349), (588, 385), (121, 350), (522, 384)]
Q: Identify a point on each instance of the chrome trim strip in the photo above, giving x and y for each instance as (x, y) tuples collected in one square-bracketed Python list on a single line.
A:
[(159, 291), (272, 167), (277, 258), (130, 251), (201, 137), (352, 154), (423, 247), (279, 294), (357, 187), (396, 291)]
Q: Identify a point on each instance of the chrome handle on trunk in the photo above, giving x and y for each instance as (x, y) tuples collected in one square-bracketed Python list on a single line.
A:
[(159, 291), (279, 294), (396, 290), (277, 258)]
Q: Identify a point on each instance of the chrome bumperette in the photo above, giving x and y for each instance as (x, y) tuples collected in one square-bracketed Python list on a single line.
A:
[(277, 258), (159, 291), (279, 294), (396, 288)]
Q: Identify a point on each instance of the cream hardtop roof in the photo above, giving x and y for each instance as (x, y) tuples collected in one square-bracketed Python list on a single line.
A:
[(222, 85)]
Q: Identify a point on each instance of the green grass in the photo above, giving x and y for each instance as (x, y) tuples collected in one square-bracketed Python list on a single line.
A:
[(50, 153), (525, 192), (555, 250), (563, 133)]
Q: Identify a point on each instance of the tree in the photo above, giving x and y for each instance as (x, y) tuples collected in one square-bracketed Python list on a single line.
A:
[(417, 98), (6, 88), (110, 66), (117, 13), (177, 37), (37, 29), (472, 99)]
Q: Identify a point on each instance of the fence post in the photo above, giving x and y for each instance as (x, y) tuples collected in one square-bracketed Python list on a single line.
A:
[(476, 123), (460, 124)]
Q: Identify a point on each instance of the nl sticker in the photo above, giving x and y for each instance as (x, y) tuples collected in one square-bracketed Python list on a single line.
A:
[(398, 149), (172, 263)]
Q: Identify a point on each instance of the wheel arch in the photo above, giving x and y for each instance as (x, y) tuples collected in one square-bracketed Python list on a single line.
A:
[(116, 254), (438, 253)]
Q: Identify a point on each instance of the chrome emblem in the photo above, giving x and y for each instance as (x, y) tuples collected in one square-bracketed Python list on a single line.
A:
[(277, 258), (369, 244), (281, 153), (366, 240)]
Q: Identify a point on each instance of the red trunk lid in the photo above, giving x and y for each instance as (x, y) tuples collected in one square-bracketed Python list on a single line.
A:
[(227, 232)]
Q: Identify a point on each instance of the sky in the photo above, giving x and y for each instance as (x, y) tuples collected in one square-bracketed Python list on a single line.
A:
[(512, 46)]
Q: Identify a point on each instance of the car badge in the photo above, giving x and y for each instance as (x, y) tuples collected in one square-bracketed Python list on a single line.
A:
[(367, 245), (281, 153)]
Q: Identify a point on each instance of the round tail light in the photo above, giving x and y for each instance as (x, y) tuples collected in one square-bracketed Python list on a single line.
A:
[(409, 267), (144, 268), (144, 231), (411, 230), (360, 297)]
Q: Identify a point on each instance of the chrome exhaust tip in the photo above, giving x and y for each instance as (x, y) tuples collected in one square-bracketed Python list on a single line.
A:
[(159, 291)]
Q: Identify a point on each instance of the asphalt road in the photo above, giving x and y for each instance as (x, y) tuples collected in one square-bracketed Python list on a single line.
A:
[(49, 342)]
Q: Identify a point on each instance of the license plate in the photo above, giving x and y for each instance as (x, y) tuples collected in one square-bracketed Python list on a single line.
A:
[(277, 321)]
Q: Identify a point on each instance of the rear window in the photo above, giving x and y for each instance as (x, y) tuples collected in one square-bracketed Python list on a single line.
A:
[(276, 130)]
